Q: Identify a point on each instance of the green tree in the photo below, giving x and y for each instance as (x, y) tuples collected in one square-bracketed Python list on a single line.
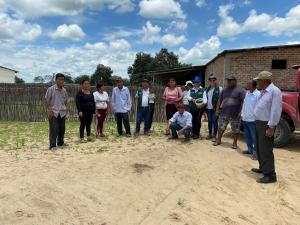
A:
[(142, 64), (19, 80), (38, 79), (166, 60), (102, 74), (80, 79), (69, 79)]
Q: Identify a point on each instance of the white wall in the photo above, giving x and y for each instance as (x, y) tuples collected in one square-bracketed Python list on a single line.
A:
[(7, 76)]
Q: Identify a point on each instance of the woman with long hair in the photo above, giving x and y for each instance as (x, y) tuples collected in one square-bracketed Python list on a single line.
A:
[(172, 96), (102, 107), (86, 108)]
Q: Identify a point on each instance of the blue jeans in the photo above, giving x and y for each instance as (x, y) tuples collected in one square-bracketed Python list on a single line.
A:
[(212, 122), (176, 127), (249, 133), (143, 114)]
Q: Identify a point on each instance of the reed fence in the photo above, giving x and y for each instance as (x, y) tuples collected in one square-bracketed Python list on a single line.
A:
[(24, 102)]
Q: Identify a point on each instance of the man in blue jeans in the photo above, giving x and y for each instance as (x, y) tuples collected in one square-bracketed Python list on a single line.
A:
[(181, 123), (212, 93), (248, 118), (143, 107)]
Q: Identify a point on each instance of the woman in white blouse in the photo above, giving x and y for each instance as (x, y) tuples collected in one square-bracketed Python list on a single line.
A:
[(102, 104)]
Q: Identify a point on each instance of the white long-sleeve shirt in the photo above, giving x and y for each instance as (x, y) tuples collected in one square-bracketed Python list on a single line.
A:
[(249, 105), (269, 106), (121, 100)]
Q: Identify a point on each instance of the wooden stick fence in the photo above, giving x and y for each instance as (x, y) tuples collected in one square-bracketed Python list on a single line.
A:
[(24, 102)]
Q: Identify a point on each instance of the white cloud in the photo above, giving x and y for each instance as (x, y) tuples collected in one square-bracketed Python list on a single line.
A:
[(158, 9), (68, 32), (39, 8), (40, 60), (228, 27), (152, 34), (272, 25), (202, 52), (200, 3), (18, 29), (178, 25)]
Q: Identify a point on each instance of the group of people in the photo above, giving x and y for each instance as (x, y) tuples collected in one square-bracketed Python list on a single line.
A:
[(258, 109)]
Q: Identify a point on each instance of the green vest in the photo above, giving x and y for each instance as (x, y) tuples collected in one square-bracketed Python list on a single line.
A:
[(196, 95), (215, 97), (140, 97)]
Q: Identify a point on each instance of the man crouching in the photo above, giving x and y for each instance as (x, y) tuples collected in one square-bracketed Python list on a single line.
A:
[(181, 123)]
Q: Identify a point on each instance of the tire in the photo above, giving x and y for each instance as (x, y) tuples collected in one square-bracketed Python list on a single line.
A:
[(282, 134)]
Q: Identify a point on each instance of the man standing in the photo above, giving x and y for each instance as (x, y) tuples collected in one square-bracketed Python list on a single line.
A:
[(56, 99), (181, 122), (198, 100), (229, 110), (121, 103), (213, 93), (143, 107), (267, 113), (248, 119)]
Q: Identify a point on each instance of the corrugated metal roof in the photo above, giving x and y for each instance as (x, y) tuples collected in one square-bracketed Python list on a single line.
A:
[(9, 69)]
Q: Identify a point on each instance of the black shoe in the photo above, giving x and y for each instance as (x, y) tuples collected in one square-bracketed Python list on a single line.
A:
[(173, 138), (196, 137), (246, 152), (267, 180), (256, 170), (186, 139), (128, 135)]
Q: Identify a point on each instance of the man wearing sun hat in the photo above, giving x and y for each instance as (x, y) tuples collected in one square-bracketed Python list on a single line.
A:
[(188, 86), (267, 113), (198, 100)]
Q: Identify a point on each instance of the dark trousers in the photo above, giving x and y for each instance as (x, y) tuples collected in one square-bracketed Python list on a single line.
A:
[(197, 117), (264, 148), (143, 114), (176, 127), (57, 127), (123, 118), (85, 123), (152, 110), (212, 121)]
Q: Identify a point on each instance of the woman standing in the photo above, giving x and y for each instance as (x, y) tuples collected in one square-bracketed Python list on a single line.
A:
[(172, 95), (86, 108), (102, 103)]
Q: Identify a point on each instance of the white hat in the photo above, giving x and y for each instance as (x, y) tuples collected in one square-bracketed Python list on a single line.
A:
[(189, 82)]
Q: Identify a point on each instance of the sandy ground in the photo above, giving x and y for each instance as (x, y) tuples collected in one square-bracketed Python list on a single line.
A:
[(146, 181)]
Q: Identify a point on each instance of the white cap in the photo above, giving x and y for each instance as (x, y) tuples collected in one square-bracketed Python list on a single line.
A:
[(189, 82)]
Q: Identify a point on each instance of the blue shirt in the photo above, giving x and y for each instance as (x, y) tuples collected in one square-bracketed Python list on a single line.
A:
[(183, 120), (249, 105), (121, 100)]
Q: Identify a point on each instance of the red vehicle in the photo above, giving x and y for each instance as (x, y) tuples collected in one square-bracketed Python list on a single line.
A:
[(290, 118)]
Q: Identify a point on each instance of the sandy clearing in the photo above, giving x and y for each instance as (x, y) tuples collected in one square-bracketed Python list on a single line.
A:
[(146, 181)]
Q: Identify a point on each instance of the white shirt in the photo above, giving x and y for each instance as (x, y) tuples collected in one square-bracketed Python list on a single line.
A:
[(121, 100), (269, 106), (210, 96), (101, 99), (183, 120), (185, 97), (145, 98), (250, 101)]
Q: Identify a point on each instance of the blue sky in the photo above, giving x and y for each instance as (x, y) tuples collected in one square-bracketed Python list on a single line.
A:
[(44, 37)]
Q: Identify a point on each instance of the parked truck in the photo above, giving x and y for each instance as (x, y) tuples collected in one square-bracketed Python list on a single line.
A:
[(290, 118)]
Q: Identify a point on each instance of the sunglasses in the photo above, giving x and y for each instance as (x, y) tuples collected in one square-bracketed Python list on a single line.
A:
[(212, 80)]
